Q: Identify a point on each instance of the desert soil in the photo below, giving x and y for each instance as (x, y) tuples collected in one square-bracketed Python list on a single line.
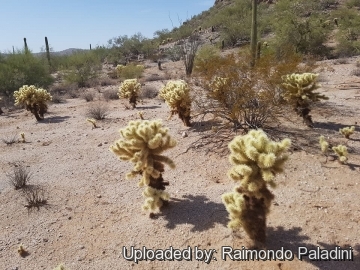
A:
[(93, 211)]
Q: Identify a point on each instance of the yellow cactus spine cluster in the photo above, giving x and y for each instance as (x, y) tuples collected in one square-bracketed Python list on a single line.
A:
[(342, 153), (256, 161), (177, 96), (218, 84), (130, 89), (142, 143), (92, 121), (34, 99), (299, 90), (347, 131)]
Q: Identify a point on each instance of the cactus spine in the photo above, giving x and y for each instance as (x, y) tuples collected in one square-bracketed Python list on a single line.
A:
[(47, 50)]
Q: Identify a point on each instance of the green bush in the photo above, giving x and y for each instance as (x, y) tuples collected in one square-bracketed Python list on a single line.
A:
[(205, 58), (353, 3), (294, 24), (21, 69), (81, 67), (349, 31), (131, 71)]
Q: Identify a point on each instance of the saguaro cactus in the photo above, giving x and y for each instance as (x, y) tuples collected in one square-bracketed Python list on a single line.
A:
[(142, 143), (47, 50), (25, 46), (256, 160)]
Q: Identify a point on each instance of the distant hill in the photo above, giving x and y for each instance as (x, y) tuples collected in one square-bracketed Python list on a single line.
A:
[(64, 52)]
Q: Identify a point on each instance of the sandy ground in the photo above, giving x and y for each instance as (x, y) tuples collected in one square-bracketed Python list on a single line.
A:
[(93, 212)]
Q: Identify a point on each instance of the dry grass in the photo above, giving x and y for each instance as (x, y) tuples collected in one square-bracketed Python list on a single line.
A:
[(9, 140), (88, 96), (110, 94), (19, 177), (148, 91), (355, 72), (35, 197), (97, 111)]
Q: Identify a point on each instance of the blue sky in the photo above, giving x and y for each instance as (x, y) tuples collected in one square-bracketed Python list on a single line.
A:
[(78, 23)]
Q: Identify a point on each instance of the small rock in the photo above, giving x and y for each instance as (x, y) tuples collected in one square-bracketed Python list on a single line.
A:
[(105, 142), (81, 247), (98, 196), (100, 144), (184, 134), (45, 240)]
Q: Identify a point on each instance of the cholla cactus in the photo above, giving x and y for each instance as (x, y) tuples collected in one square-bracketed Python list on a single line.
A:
[(341, 151), (92, 121), (347, 131), (60, 267), (299, 91), (256, 161), (119, 69), (22, 135), (324, 145), (177, 96), (142, 143), (34, 99), (21, 250), (130, 89)]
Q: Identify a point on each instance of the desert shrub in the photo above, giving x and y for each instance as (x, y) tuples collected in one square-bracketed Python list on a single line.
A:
[(355, 72), (240, 96), (81, 67), (353, 3), (142, 143), (347, 48), (88, 96), (340, 61), (98, 111), (130, 89), (33, 99), (294, 24), (148, 91), (205, 57), (130, 71), (21, 69), (9, 140), (349, 31), (105, 81), (57, 98), (110, 94), (174, 53), (20, 176), (35, 197)]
